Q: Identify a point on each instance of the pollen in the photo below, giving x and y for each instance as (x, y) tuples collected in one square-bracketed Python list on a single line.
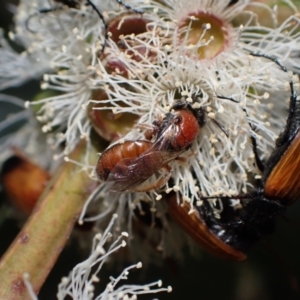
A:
[(158, 197), (206, 32), (176, 188)]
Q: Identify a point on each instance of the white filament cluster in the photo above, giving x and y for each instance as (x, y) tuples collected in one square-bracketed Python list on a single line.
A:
[(61, 48), (80, 283)]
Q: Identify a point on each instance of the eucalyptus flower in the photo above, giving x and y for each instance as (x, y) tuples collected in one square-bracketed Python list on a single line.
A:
[(80, 284), (198, 52)]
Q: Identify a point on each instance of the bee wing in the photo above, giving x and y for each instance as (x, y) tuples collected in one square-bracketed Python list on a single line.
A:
[(131, 172)]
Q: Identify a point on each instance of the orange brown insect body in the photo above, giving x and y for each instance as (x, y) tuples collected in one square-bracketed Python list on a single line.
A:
[(112, 156), (128, 165), (232, 233), (281, 176), (201, 231)]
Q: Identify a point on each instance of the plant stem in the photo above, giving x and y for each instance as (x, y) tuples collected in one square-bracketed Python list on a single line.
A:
[(38, 245)]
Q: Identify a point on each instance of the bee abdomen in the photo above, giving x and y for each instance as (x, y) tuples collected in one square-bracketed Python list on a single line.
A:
[(111, 157)]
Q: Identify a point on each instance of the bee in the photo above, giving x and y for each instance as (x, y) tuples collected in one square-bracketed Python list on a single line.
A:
[(231, 234), (127, 165)]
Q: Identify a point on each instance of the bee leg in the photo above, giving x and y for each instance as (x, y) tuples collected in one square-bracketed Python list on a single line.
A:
[(168, 168), (181, 159), (150, 130)]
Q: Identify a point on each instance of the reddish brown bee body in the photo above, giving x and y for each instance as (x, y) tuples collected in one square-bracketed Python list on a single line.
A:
[(112, 156), (128, 165)]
